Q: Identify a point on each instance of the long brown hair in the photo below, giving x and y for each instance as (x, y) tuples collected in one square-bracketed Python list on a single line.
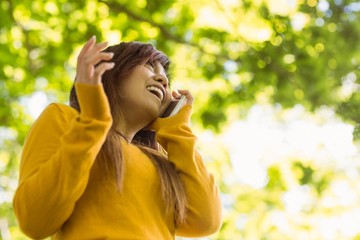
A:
[(128, 55)]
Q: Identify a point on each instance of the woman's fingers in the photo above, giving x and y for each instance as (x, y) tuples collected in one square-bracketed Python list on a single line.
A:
[(176, 94), (90, 51), (90, 55), (89, 44), (103, 67), (189, 97), (97, 48), (97, 57)]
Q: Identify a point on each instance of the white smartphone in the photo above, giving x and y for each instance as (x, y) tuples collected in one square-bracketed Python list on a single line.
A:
[(174, 107)]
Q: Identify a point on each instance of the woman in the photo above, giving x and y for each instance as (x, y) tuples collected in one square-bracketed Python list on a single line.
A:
[(95, 170)]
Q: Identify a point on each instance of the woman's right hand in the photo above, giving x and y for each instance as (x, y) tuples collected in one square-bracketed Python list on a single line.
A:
[(89, 56)]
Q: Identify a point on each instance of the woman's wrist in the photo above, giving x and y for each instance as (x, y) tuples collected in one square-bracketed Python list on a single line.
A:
[(182, 117)]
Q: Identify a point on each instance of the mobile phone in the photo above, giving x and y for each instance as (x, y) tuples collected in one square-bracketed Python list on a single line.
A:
[(174, 107)]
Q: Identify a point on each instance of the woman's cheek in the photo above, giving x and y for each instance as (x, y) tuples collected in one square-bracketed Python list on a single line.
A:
[(168, 97)]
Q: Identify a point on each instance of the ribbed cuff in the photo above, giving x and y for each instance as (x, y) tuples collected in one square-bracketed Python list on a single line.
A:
[(182, 117)]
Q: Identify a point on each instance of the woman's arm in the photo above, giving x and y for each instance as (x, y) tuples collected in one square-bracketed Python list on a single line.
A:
[(204, 206), (60, 150), (56, 161)]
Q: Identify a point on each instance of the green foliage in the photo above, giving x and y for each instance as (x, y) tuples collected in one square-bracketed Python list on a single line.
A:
[(276, 182), (243, 53)]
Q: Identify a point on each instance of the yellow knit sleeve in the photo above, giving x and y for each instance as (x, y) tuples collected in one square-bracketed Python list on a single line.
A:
[(204, 206), (56, 160)]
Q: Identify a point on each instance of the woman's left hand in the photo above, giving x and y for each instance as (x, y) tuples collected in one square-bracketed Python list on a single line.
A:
[(189, 98)]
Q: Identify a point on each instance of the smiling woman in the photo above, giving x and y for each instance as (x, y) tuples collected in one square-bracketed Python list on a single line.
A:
[(107, 167)]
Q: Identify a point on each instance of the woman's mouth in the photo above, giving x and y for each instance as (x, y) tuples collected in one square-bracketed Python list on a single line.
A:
[(156, 91)]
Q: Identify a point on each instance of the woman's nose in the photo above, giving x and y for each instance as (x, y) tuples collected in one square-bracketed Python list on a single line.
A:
[(162, 79)]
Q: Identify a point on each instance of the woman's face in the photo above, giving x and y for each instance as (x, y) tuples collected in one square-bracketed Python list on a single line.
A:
[(145, 91)]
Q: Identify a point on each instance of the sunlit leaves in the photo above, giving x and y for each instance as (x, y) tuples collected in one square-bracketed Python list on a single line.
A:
[(230, 54)]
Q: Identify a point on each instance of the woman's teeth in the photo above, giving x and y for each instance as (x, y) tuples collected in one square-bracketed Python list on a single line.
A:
[(156, 91)]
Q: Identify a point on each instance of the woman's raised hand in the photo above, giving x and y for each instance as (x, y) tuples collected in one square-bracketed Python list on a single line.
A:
[(90, 55)]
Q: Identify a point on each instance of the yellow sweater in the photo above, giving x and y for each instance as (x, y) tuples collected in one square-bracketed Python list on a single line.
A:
[(64, 194)]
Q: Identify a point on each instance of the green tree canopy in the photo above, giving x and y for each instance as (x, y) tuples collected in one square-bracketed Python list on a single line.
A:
[(231, 54)]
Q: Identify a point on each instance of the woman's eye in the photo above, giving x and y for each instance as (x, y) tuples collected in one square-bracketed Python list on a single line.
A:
[(149, 66)]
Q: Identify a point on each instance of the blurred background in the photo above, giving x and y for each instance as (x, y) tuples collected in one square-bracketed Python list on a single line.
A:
[(277, 99)]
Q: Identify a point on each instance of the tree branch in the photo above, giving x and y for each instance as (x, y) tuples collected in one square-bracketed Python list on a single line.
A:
[(165, 32)]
